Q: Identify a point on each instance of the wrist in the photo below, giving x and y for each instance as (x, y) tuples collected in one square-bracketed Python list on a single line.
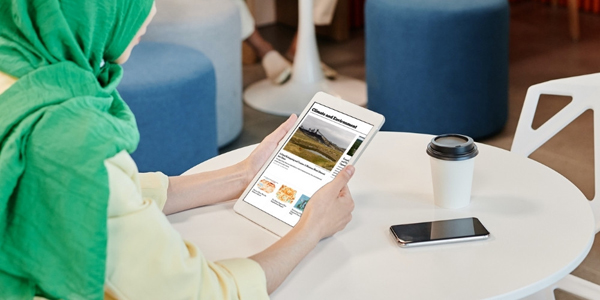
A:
[(247, 172), (307, 231)]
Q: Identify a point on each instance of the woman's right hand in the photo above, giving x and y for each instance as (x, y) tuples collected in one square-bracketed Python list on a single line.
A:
[(329, 210)]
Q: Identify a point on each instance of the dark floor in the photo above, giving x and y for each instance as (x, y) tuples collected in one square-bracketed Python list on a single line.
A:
[(540, 50)]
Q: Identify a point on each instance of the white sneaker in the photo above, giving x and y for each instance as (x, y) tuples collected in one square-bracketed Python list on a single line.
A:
[(328, 71), (278, 69)]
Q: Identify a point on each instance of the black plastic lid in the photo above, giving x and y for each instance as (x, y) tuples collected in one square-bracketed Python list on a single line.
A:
[(452, 147)]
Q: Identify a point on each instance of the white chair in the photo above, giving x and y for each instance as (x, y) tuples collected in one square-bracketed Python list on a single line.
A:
[(585, 93)]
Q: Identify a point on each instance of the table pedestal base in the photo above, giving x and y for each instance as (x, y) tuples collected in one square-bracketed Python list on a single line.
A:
[(292, 97)]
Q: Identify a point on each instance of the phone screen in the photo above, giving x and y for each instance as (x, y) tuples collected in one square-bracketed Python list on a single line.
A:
[(321, 146), (439, 231)]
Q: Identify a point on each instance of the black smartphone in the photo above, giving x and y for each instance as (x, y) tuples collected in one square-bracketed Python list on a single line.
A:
[(439, 232)]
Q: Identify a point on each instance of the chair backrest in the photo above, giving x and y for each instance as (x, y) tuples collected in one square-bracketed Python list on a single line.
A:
[(585, 92)]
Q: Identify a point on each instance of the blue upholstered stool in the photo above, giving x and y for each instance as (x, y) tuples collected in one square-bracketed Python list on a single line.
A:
[(438, 66), (171, 91)]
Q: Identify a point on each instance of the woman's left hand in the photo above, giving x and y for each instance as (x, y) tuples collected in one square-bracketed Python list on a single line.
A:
[(211, 187), (259, 156)]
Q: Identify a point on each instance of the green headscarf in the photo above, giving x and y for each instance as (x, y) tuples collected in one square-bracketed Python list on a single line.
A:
[(58, 123)]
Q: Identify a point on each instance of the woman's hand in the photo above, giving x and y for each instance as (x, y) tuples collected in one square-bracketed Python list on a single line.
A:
[(329, 210), (211, 187), (259, 156)]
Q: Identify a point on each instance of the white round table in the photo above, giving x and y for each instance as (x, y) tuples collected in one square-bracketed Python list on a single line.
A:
[(541, 229)]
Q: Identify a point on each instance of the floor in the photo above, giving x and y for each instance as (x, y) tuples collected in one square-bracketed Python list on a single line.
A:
[(540, 50)]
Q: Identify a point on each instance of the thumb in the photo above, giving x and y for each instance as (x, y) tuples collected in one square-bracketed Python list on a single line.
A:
[(283, 129), (342, 178)]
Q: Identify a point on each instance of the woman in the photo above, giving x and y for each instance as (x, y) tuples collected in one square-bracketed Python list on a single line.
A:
[(77, 221)]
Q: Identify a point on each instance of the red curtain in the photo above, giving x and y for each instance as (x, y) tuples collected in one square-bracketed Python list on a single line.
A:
[(357, 13), (584, 5)]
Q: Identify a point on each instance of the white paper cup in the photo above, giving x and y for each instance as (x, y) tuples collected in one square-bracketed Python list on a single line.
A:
[(452, 158)]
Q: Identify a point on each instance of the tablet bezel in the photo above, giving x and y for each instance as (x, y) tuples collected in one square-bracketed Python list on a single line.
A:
[(272, 223)]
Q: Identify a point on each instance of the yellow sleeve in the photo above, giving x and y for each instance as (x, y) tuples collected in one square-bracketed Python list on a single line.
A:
[(148, 259), (154, 186)]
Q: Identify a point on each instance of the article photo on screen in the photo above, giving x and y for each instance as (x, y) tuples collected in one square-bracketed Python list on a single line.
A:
[(328, 135), (319, 142)]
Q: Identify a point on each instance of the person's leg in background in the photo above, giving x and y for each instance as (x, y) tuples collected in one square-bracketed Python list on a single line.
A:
[(323, 11), (278, 68)]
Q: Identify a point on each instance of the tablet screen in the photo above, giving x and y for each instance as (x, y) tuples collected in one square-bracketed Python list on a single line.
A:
[(319, 148)]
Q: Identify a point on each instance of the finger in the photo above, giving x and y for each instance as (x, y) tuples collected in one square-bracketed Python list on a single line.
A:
[(283, 129), (345, 191), (342, 178), (287, 125), (346, 198)]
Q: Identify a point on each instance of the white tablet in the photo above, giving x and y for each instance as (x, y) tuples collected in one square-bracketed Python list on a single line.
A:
[(329, 134)]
